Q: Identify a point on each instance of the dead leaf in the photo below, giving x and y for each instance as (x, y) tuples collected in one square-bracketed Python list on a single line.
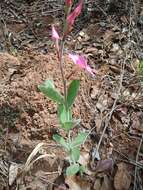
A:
[(137, 122), (72, 183), (103, 183), (77, 183), (84, 158), (92, 50), (97, 184), (108, 36), (122, 179), (94, 92), (115, 68), (102, 103), (98, 122), (13, 171), (104, 165), (61, 187), (106, 185)]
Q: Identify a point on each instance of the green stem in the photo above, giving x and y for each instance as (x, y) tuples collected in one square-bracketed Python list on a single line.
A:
[(61, 57), (62, 73)]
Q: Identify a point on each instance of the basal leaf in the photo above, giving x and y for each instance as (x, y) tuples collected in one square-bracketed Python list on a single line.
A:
[(72, 170), (72, 92), (80, 139), (75, 154), (50, 91), (61, 141)]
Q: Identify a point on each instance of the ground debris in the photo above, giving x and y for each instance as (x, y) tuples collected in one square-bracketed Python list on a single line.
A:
[(111, 39)]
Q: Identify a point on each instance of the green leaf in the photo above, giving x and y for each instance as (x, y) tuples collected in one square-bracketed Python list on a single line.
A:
[(50, 91), (63, 114), (71, 124), (82, 170), (67, 125), (72, 92), (80, 139), (61, 141), (75, 154), (72, 170), (65, 117)]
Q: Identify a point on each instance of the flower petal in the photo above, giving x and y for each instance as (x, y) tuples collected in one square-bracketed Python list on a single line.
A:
[(74, 57), (81, 62), (55, 34), (90, 70)]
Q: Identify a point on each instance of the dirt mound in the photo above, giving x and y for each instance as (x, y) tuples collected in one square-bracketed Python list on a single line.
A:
[(22, 105)]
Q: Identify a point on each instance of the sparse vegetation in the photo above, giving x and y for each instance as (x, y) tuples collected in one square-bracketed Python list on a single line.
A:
[(83, 127)]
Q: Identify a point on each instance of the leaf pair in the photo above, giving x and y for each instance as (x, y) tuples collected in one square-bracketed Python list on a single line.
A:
[(50, 91), (75, 144), (73, 149), (64, 108), (79, 140)]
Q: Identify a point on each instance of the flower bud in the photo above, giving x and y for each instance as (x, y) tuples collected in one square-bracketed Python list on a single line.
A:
[(71, 18), (68, 3)]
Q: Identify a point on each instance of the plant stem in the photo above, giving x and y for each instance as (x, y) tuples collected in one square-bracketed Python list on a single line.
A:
[(62, 72)]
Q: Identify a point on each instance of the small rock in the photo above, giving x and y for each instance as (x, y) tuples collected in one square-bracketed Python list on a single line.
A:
[(94, 92), (79, 38), (79, 46), (82, 34), (115, 48), (102, 24), (13, 171)]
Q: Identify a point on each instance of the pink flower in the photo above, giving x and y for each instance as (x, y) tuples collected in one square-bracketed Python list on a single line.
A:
[(55, 34), (69, 2), (71, 18), (56, 37), (81, 62)]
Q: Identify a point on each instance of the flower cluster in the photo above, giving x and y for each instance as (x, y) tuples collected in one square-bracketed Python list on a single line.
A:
[(77, 59)]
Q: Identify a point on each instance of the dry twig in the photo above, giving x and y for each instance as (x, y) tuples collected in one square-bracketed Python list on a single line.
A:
[(112, 110)]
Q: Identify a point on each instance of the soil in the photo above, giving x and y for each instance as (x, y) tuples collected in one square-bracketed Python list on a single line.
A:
[(113, 47)]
